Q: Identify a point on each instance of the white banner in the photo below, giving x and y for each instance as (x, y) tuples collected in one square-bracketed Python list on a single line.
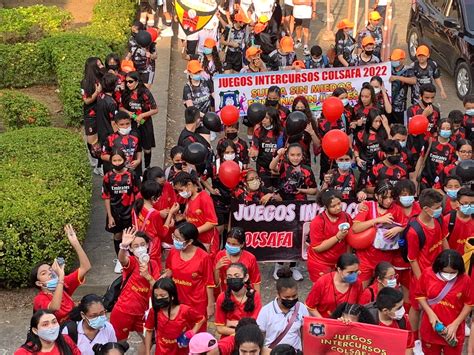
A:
[(241, 90)]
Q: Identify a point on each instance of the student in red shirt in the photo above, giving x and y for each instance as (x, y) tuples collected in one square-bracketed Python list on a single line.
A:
[(199, 210), (170, 320), (384, 276), (381, 211), (327, 233), (226, 344), (167, 197), (451, 185), (146, 219), (140, 272), (445, 294), (56, 290), (422, 258), (191, 268), (44, 337), (238, 301), (348, 313), (342, 285), (234, 253), (391, 313), (463, 227)]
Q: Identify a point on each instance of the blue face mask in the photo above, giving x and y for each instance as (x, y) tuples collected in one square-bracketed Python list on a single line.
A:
[(231, 249), (345, 102), (196, 77), (395, 63), (453, 194), (403, 144), (52, 284), (470, 112), (207, 51), (407, 201), (344, 165), (445, 133), (49, 334), (97, 322), (351, 278), (437, 212), (179, 245), (466, 209)]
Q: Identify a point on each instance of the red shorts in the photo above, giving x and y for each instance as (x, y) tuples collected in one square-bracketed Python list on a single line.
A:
[(317, 268), (413, 301), (369, 258), (435, 349), (124, 323)]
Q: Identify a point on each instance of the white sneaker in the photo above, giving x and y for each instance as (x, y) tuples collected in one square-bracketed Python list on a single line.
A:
[(306, 50), (297, 275), (467, 330), (277, 267), (118, 267), (167, 32), (417, 350), (298, 44)]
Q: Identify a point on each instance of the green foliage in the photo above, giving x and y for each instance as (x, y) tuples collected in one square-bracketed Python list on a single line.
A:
[(24, 24), (18, 110), (45, 182)]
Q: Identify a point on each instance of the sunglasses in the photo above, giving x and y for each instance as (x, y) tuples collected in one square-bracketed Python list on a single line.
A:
[(130, 81)]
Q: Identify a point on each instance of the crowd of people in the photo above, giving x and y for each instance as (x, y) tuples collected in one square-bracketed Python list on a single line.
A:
[(182, 263)]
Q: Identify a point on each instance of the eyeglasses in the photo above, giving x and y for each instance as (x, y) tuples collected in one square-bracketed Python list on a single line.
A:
[(465, 151), (394, 276), (130, 81)]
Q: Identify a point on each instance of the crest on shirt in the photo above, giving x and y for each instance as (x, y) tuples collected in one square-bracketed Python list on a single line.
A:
[(194, 275), (198, 211), (317, 329)]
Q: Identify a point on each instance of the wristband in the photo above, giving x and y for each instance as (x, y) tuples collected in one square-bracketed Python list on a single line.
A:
[(123, 246)]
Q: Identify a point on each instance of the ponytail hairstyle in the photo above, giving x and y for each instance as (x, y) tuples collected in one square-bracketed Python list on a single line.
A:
[(83, 306), (355, 310), (190, 232), (150, 190), (33, 342), (167, 284), (380, 271), (285, 279), (238, 234), (103, 349), (228, 305), (153, 173)]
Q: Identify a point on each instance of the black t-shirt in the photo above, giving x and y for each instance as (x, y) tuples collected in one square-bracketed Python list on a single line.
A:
[(106, 109), (423, 76), (201, 95), (139, 59)]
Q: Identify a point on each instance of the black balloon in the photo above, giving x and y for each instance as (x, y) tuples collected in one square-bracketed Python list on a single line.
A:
[(212, 122), (296, 123), (465, 170), (195, 153), (256, 113), (143, 38)]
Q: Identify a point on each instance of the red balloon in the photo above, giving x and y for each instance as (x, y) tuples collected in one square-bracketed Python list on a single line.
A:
[(333, 108), (418, 125), (229, 173), (229, 115), (335, 143), (153, 32), (361, 240)]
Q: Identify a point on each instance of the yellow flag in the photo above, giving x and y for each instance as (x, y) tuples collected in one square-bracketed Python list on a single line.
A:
[(193, 15)]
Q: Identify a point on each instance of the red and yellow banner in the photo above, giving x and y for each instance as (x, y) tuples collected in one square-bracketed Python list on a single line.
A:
[(193, 15), (330, 336)]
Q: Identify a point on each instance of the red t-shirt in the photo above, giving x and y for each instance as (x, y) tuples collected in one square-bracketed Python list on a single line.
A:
[(370, 293), (226, 345), (448, 308), (431, 249), (321, 229), (324, 297), (168, 330), (43, 299), (238, 313), (199, 211), (397, 260), (411, 335), (55, 351), (192, 278), (461, 231), (154, 228), (167, 198), (246, 258), (134, 297)]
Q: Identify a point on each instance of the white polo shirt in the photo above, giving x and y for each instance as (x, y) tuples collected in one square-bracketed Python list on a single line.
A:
[(104, 336), (273, 321)]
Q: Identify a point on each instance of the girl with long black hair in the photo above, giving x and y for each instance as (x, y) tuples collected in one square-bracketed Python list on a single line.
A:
[(239, 300), (169, 319), (139, 103), (44, 337)]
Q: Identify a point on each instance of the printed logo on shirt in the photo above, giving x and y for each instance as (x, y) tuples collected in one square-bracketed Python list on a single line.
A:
[(198, 211), (182, 282), (194, 275)]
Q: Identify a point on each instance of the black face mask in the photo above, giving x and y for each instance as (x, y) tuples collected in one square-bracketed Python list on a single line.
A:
[(160, 302), (235, 283), (178, 166), (113, 67), (99, 72), (231, 135), (394, 159), (426, 104), (119, 167), (369, 53), (272, 103), (289, 304)]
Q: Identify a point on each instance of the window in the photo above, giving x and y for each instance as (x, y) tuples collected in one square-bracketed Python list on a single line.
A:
[(453, 11), (438, 5)]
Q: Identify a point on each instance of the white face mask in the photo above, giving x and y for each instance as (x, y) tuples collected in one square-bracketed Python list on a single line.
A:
[(139, 251), (447, 276), (230, 156), (377, 90), (392, 283), (185, 194), (125, 131), (400, 313)]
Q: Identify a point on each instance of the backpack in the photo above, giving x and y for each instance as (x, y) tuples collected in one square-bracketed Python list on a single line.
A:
[(373, 310), (113, 292), (452, 222), (71, 330), (403, 241)]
